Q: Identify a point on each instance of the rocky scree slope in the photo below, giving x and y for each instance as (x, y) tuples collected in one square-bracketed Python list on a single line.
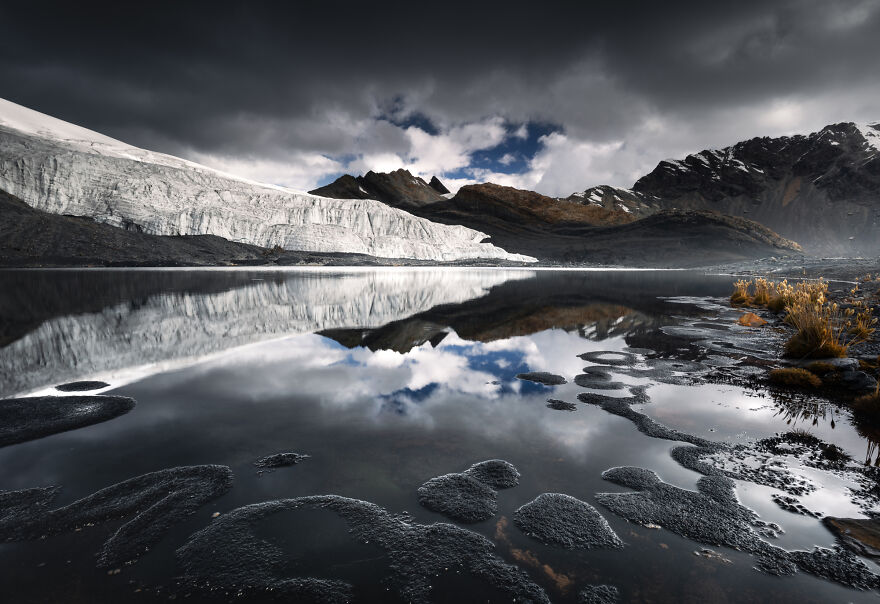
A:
[(61, 168)]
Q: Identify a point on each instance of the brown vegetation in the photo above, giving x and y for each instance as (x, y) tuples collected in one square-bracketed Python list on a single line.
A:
[(824, 329), (489, 196), (794, 377)]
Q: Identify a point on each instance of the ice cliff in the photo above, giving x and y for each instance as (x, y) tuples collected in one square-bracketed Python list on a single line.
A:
[(65, 169)]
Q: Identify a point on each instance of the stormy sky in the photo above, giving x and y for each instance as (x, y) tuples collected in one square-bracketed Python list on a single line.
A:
[(549, 96)]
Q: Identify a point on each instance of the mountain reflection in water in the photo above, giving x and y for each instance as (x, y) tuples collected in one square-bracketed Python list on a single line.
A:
[(62, 325), (385, 378)]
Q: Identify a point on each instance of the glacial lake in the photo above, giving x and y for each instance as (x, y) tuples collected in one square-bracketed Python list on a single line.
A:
[(385, 378)]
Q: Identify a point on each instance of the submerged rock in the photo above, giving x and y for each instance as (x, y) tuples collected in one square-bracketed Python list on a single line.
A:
[(496, 473), (542, 377), (710, 515), (713, 516), (228, 554), (558, 405), (622, 406), (791, 504), (617, 358), (83, 386), (155, 502), (23, 419), (599, 594), (279, 460), (567, 522), (595, 381)]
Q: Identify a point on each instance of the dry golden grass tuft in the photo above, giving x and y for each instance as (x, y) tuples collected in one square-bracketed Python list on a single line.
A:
[(823, 329), (794, 377), (740, 295)]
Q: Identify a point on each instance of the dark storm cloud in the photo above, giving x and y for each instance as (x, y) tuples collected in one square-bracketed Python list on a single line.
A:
[(264, 80)]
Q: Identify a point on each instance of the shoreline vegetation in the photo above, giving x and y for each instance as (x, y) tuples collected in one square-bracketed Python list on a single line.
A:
[(831, 336)]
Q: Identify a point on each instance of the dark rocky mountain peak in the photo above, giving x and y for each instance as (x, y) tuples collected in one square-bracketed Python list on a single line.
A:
[(438, 186), (398, 189), (821, 189)]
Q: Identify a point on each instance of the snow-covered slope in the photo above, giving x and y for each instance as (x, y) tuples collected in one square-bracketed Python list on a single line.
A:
[(65, 169), (127, 341)]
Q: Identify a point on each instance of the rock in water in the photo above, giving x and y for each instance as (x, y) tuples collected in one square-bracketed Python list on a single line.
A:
[(598, 594), (459, 497), (23, 419), (155, 502), (542, 377), (567, 522), (279, 460), (83, 386), (229, 553), (496, 473), (469, 496)]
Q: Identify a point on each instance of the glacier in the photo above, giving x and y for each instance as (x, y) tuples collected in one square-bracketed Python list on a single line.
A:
[(62, 168), (125, 342)]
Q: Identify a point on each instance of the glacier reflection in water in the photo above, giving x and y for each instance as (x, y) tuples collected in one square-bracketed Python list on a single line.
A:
[(137, 337)]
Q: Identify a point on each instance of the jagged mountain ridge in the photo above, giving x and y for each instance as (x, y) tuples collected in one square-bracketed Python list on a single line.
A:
[(820, 189), (61, 168), (398, 189), (570, 231)]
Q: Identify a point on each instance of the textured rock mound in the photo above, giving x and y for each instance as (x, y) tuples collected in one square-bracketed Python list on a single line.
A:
[(229, 553), (155, 502), (542, 377), (23, 419), (469, 496), (63, 169), (567, 522), (459, 497)]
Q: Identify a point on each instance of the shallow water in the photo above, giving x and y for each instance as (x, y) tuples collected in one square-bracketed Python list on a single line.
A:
[(385, 378)]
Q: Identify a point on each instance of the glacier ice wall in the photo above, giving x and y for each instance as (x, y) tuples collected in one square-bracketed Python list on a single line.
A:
[(62, 168), (125, 341)]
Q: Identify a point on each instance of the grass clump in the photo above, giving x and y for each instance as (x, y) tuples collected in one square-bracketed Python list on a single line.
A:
[(763, 288), (740, 295), (801, 436), (820, 368), (824, 329), (794, 377)]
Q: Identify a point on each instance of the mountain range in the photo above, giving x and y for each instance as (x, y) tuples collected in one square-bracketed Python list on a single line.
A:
[(821, 190), (69, 195)]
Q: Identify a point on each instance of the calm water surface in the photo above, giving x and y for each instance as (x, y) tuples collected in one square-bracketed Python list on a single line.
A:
[(385, 378)]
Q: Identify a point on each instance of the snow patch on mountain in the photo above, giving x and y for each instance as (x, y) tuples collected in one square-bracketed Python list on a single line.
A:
[(66, 169), (871, 132)]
